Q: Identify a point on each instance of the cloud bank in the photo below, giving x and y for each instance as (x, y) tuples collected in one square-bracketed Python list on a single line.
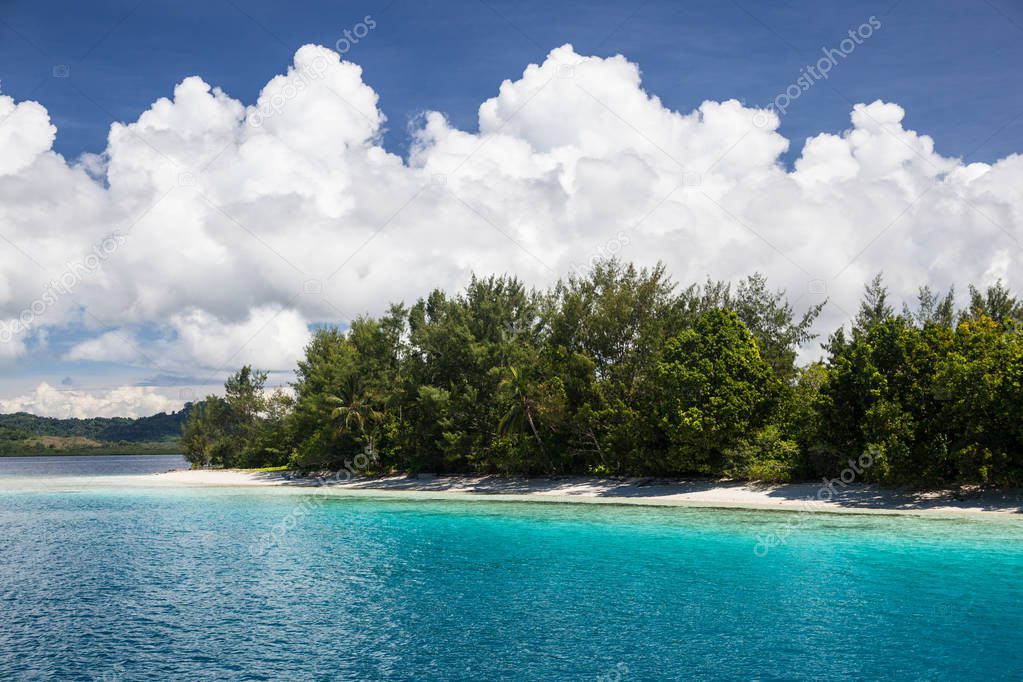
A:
[(210, 233), (127, 401)]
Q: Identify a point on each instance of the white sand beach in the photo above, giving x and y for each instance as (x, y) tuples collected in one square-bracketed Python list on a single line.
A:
[(809, 497)]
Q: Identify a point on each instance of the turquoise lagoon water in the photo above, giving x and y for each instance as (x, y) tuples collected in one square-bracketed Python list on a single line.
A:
[(115, 583)]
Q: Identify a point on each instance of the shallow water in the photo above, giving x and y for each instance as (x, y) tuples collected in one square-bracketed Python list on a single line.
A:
[(189, 583)]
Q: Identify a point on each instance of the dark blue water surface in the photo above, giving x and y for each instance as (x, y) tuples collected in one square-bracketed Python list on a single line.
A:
[(219, 583), (89, 465)]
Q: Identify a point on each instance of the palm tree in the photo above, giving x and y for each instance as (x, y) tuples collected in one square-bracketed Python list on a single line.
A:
[(520, 412), (355, 409)]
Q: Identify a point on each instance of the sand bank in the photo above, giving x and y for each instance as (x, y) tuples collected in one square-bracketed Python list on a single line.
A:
[(809, 497)]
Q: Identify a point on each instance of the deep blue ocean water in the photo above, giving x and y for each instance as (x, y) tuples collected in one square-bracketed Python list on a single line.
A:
[(88, 465), (123, 583)]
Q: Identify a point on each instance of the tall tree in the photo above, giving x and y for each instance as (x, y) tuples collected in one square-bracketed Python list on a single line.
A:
[(875, 308), (714, 388)]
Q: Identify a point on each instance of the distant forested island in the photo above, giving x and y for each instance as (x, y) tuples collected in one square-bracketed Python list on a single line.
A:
[(619, 371), (26, 434)]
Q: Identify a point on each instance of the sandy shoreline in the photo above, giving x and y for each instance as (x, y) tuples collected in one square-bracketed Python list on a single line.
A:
[(800, 497), (808, 497)]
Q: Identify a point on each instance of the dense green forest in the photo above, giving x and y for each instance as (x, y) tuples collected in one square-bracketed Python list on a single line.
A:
[(622, 372), (26, 434)]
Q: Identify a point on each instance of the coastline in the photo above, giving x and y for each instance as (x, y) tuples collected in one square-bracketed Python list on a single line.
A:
[(94, 452), (792, 497)]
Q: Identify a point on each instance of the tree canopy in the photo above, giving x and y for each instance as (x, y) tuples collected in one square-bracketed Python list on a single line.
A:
[(621, 372)]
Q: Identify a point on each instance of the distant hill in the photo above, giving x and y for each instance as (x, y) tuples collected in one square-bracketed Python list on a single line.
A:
[(22, 426)]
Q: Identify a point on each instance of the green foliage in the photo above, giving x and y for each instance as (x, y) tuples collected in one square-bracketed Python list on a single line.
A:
[(715, 388), (617, 373), (995, 303), (32, 447), (242, 429), (935, 404), (158, 427), (26, 434), (766, 314), (767, 456), (205, 440)]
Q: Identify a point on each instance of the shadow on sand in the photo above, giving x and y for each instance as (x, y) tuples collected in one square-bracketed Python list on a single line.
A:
[(816, 496)]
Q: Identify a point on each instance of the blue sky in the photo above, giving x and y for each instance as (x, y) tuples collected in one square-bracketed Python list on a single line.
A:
[(953, 67)]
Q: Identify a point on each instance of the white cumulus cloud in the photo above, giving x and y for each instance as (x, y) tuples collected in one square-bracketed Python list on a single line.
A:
[(241, 224), (126, 401)]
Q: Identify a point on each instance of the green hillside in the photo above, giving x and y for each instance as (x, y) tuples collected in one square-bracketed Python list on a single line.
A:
[(25, 434)]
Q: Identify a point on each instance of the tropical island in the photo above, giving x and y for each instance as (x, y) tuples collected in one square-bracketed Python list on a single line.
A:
[(23, 434), (621, 372)]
